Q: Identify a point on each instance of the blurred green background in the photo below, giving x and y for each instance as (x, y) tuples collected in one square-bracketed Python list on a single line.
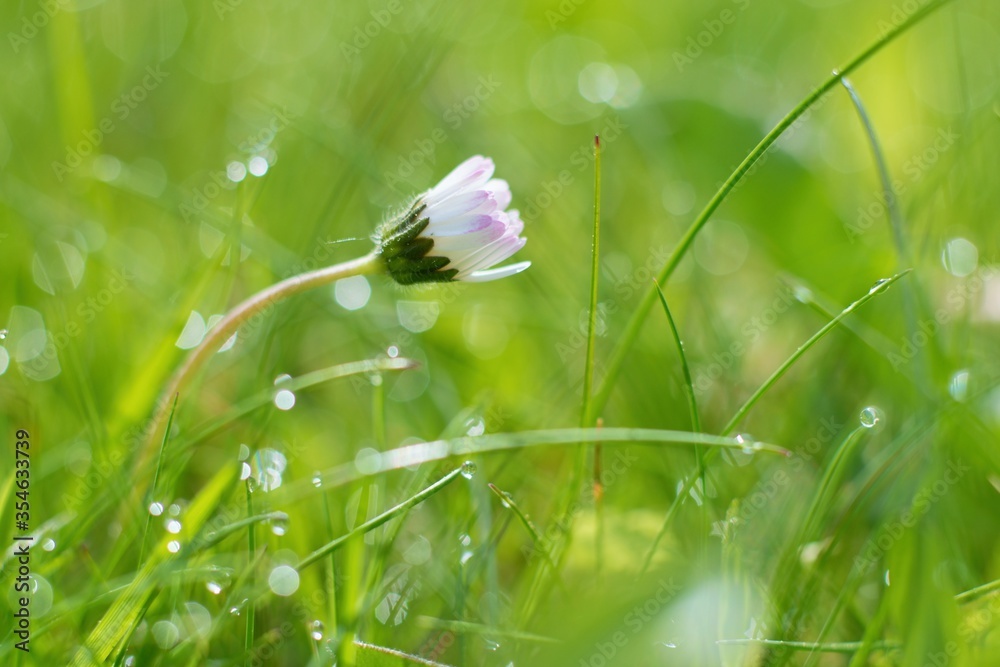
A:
[(163, 160)]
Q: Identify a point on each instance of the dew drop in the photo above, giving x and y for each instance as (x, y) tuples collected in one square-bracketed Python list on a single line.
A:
[(958, 386), (465, 540), (375, 379), (871, 417), (393, 352), (49, 544), (803, 294), (3, 334), (156, 509), (213, 587), (749, 444), (317, 480), (316, 629), (475, 427), (245, 470), (173, 526), (505, 500), (129, 661), (284, 400), (469, 470), (279, 525), (244, 452), (173, 546), (491, 645), (878, 285), (283, 580), (174, 510)]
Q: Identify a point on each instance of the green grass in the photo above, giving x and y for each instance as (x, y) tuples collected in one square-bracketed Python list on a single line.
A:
[(540, 470)]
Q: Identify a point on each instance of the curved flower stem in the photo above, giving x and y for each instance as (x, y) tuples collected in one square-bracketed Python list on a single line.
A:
[(217, 336)]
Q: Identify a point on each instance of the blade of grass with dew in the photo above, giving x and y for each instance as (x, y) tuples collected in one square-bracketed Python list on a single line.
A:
[(379, 520), (305, 381), (467, 627), (370, 655), (426, 452), (910, 297), (586, 412), (692, 409), (250, 630), (831, 647), (878, 289), (121, 619), (640, 314), (536, 537), (156, 478)]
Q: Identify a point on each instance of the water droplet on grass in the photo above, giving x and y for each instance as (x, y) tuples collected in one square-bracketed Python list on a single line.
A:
[(871, 417), (469, 470), (749, 444), (213, 587), (879, 284), (958, 387), (3, 334), (173, 526), (316, 630), (284, 400), (279, 525), (156, 509), (283, 580)]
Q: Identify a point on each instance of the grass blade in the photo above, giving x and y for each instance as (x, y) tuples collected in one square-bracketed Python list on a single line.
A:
[(642, 311)]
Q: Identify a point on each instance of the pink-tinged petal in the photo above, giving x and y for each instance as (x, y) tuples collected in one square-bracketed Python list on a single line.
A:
[(500, 190), (471, 174), (457, 205), (449, 245), (464, 224), (494, 253), (514, 223), (497, 273)]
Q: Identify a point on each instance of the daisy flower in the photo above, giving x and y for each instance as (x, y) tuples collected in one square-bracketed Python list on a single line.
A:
[(458, 230)]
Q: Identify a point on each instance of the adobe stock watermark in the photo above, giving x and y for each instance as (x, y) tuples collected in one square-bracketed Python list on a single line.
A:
[(956, 298), (562, 12), (625, 288), (900, 13), (914, 169), (580, 159), (425, 149), (365, 34), (890, 533), (611, 474), (634, 621), (121, 108), (219, 180), (86, 312), (32, 25), (767, 489), (713, 29), (750, 330)]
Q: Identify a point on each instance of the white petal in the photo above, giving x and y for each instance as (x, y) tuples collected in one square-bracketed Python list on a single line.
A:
[(460, 204), (486, 257), (473, 173), (464, 224), (500, 191), (497, 273), (447, 245)]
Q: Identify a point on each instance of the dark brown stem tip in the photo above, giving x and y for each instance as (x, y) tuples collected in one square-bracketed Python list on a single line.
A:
[(597, 141)]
